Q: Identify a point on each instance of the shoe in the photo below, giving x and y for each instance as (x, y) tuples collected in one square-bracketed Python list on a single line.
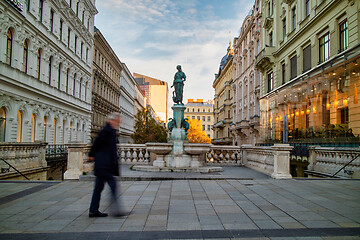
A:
[(120, 214), (97, 214)]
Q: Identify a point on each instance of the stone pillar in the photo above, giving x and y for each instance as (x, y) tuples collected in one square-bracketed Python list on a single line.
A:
[(281, 161), (244, 153), (75, 161), (178, 133), (312, 158)]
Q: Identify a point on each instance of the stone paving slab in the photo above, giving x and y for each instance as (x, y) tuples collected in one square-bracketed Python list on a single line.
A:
[(185, 209)]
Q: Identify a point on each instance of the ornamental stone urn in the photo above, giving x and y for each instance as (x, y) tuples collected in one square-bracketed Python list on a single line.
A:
[(196, 150)]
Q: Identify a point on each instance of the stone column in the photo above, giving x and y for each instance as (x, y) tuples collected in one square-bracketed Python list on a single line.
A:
[(281, 161), (75, 161)]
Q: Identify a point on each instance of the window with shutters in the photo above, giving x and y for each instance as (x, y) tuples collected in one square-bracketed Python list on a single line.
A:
[(307, 58), (293, 67)]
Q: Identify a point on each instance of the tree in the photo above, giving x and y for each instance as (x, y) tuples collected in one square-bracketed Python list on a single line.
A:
[(196, 134), (147, 129)]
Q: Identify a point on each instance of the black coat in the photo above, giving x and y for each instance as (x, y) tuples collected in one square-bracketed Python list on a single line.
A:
[(104, 150)]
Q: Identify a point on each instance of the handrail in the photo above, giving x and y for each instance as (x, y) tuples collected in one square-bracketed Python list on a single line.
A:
[(15, 169), (346, 165)]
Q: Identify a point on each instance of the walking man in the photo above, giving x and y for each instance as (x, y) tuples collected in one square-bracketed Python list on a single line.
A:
[(104, 153)]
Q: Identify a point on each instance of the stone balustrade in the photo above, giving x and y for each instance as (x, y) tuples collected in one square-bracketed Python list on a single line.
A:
[(328, 160), (224, 155), (27, 158), (133, 153)]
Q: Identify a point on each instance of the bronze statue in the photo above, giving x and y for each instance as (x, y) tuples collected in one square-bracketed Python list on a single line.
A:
[(178, 84)]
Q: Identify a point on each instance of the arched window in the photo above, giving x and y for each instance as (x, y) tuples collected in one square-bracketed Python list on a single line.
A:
[(38, 63), (9, 47), (2, 124), (74, 84), (25, 56), (19, 117), (50, 68), (45, 127), (67, 80), (59, 76), (33, 127)]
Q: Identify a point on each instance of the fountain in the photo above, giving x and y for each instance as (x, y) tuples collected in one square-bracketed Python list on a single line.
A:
[(178, 154)]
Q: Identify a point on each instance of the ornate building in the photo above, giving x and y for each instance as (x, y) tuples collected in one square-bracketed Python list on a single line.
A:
[(310, 64), (140, 100), (223, 100), (156, 93), (45, 70), (203, 111), (246, 118)]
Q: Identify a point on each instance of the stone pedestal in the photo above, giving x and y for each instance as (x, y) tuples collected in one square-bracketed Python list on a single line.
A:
[(75, 161), (281, 161)]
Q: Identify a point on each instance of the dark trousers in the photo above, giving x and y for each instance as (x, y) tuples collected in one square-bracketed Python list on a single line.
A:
[(99, 186)]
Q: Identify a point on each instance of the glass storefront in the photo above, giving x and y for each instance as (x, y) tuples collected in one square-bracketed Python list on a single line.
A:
[(322, 107)]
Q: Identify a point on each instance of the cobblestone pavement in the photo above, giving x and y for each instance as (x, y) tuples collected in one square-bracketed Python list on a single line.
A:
[(184, 209)]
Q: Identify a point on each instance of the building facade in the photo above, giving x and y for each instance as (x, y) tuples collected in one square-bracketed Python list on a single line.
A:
[(128, 87), (140, 99), (310, 65), (246, 87), (156, 93), (106, 93), (46, 70), (203, 111), (223, 100)]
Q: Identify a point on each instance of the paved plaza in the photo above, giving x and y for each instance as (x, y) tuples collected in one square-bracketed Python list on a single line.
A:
[(244, 205)]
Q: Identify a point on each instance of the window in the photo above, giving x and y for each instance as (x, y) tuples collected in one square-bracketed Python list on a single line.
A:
[(28, 4), (324, 50), (293, 18), (55, 127), (59, 76), (81, 50), (270, 81), (208, 119), (86, 86), (88, 23), (284, 28), (228, 94), (77, 8), (33, 127), (270, 39), (50, 68), (51, 20), (193, 117), (293, 67), (203, 127), (307, 7), (45, 127), (87, 54), (74, 85), (269, 9), (9, 47), (41, 7), (69, 34), (25, 56), (38, 63), (75, 46), (67, 80), (83, 17), (198, 117), (198, 109), (283, 73), (80, 87), (229, 114), (61, 28), (343, 35), (208, 127), (203, 118), (307, 58), (2, 124), (19, 117)]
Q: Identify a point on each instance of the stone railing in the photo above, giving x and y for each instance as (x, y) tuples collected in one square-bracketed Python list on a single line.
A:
[(27, 158), (327, 161), (133, 154), (224, 155)]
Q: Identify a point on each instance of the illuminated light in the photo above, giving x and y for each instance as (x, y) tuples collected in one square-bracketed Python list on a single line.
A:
[(297, 113), (336, 103), (314, 109), (328, 103), (353, 72), (302, 112), (355, 94), (277, 118), (280, 118), (334, 73), (307, 111), (289, 116), (345, 102), (292, 115)]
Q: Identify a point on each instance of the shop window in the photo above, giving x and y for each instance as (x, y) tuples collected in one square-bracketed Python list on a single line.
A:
[(343, 35), (33, 127)]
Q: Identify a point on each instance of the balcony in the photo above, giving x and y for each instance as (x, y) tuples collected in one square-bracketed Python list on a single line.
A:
[(268, 22), (265, 58), (254, 121), (219, 124)]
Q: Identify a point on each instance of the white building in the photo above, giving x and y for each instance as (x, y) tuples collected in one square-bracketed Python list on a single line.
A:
[(127, 103), (46, 70)]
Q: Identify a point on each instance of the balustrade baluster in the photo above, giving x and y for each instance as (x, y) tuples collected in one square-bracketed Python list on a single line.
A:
[(134, 155), (146, 156)]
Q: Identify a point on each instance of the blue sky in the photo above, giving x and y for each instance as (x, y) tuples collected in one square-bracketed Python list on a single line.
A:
[(153, 36)]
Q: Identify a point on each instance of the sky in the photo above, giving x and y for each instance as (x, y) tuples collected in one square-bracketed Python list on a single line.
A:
[(152, 37)]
